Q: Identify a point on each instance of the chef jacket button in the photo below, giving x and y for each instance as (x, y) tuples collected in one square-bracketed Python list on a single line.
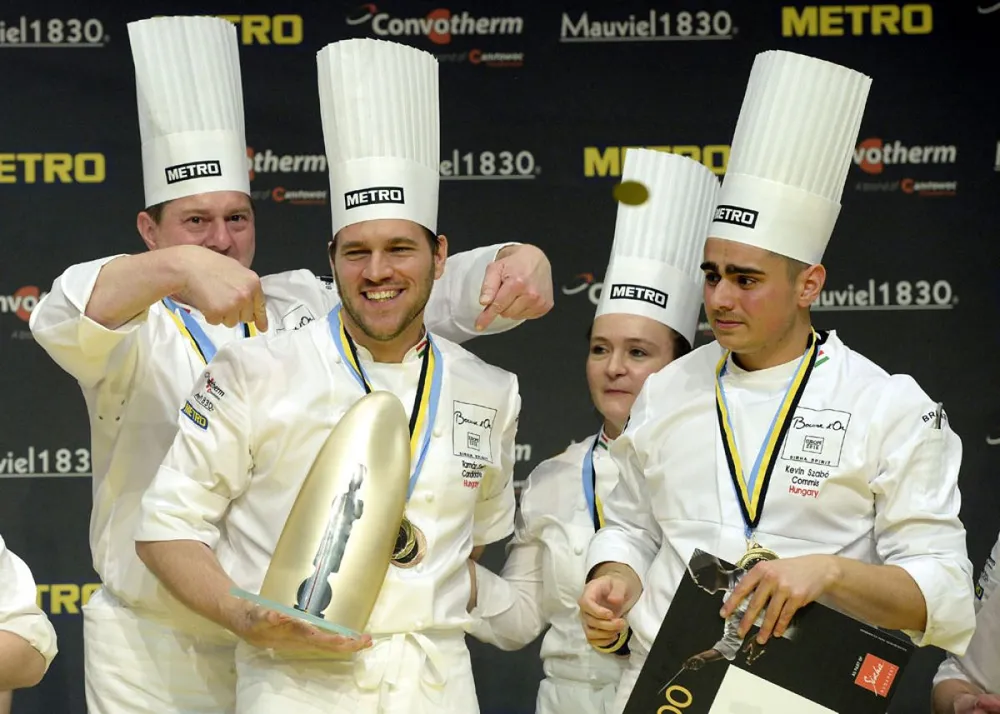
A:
[(419, 623), (336, 359), (578, 550), (429, 497), (437, 432)]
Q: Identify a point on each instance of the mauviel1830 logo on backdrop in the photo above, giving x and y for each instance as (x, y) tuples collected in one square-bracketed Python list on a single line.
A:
[(25, 31), (651, 25)]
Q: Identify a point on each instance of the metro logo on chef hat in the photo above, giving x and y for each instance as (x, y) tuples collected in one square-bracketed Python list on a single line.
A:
[(790, 155), (381, 127), (654, 269), (190, 98)]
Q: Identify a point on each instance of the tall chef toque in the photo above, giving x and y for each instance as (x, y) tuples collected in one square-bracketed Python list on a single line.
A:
[(381, 127), (796, 132), (654, 269), (187, 77)]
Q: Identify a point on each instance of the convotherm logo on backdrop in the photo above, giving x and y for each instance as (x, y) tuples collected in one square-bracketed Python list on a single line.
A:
[(896, 163), (584, 284), (857, 20), (267, 166), (52, 32), (52, 167), (600, 161), (654, 25), (441, 27), (267, 29), (15, 310)]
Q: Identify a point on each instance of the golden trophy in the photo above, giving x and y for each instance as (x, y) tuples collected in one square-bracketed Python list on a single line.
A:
[(335, 547)]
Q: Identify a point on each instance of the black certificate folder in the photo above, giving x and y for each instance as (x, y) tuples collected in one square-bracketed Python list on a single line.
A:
[(826, 662)]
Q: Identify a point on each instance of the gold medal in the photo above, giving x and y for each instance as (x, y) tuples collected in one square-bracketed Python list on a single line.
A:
[(410, 545), (756, 553)]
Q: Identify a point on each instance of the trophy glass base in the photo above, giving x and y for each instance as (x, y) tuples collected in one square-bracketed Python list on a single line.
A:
[(318, 622)]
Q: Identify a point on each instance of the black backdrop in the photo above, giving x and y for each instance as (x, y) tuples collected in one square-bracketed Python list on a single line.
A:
[(534, 120)]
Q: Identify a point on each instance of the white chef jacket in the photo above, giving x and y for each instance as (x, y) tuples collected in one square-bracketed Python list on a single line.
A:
[(232, 484), (862, 473), (981, 662), (19, 611), (546, 568), (136, 377)]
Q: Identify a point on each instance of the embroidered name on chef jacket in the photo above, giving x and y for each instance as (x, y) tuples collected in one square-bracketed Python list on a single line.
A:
[(816, 436), (472, 432), (298, 317)]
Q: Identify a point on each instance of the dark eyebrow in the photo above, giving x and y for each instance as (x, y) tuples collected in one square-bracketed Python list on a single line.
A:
[(732, 269)]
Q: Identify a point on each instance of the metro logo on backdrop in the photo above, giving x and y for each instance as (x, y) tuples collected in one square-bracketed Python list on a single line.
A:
[(609, 160), (439, 26), (52, 167), (857, 20), (267, 29), (651, 26)]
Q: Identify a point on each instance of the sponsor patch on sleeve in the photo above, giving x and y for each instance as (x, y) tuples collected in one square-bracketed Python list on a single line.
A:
[(200, 420)]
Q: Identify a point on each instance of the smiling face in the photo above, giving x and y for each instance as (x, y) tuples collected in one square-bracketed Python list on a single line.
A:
[(624, 351), (385, 270)]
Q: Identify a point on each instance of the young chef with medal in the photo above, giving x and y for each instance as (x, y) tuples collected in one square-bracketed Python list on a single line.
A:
[(858, 467)]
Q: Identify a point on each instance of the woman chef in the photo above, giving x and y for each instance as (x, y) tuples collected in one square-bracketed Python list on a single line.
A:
[(646, 318)]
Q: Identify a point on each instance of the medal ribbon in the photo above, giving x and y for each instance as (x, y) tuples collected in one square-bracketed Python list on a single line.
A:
[(594, 506), (425, 403), (190, 328), (752, 491)]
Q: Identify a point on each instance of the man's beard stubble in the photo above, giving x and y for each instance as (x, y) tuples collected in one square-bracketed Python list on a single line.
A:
[(351, 308)]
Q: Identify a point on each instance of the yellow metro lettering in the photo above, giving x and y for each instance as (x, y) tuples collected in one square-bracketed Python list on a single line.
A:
[(882, 19), (268, 29)]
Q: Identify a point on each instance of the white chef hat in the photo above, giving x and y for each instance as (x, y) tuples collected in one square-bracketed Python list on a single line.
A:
[(190, 97), (790, 155), (654, 269), (381, 127)]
